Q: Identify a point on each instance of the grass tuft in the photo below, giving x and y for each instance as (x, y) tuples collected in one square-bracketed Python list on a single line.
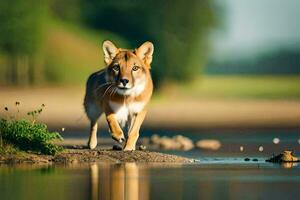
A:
[(27, 135)]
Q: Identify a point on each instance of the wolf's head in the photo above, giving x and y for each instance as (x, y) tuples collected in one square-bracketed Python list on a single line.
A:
[(127, 69)]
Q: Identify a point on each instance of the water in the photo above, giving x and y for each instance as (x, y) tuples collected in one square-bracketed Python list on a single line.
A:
[(221, 174), (209, 180)]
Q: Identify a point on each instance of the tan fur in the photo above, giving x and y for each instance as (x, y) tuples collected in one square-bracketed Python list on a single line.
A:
[(122, 91)]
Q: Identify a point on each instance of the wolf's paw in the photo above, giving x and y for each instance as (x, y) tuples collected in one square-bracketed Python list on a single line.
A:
[(118, 137), (129, 148), (92, 143)]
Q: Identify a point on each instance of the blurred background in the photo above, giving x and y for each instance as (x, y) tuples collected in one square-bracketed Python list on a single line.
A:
[(217, 63)]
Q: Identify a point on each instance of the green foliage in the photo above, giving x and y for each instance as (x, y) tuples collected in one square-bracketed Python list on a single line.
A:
[(69, 10), (7, 149), (22, 34), (34, 114), (29, 135), (34, 50), (21, 26), (178, 29)]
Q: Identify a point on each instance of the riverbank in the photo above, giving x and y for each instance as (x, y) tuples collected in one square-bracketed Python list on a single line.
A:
[(80, 155)]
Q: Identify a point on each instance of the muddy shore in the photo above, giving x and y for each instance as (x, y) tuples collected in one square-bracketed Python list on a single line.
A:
[(74, 156)]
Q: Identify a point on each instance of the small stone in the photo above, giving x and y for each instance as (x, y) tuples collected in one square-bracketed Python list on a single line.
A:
[(209, 144), (168, 144), (241, 148), (155, 139), (285, 156), (255, 159), (145, 141), (276, 140), (247, 159), (261, 149), (289, 157), (142, 147), (184, 142)]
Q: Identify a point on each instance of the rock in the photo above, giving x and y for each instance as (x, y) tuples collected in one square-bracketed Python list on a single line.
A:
[(285, 156), (168, 143), (289, 157), (209, 144), (145, 141), (154, 139), (142, 147), (247, 159), (255, 159), (177, 142), (185, 142)]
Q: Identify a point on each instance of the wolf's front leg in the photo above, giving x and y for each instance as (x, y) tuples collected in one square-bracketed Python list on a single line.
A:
[(92, 143), (115, 129), (134, 130)]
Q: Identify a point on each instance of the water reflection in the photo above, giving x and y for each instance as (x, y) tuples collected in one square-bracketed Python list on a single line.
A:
[(94, 181), (205, 180), (117, 182), (288, 165)]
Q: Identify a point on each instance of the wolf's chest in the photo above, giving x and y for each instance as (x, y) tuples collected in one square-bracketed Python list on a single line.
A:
[(124, 111)]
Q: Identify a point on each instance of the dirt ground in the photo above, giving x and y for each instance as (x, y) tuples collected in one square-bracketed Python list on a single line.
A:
[(64, 109), (79, 155)]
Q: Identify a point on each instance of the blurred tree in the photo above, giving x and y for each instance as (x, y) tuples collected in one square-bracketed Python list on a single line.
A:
[(21, 33), (179, 30), (69, 10), (278, 61)]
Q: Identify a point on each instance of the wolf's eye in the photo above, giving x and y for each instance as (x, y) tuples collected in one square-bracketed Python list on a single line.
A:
[(116, 68), (135, 68)]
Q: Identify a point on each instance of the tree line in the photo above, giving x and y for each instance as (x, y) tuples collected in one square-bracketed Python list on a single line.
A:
[(178, 29)]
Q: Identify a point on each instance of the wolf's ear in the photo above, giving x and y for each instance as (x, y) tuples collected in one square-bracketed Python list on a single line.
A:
[(145, 52), (109, 50)]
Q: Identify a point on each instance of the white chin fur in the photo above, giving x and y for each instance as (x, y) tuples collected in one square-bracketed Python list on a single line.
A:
[(134, 91)]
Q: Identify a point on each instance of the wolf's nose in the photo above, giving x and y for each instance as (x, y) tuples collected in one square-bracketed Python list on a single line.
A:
[(124, 81)]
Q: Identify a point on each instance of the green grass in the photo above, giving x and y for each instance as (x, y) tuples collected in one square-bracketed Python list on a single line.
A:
[(254, 86), (27, 135), (7, 149)]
